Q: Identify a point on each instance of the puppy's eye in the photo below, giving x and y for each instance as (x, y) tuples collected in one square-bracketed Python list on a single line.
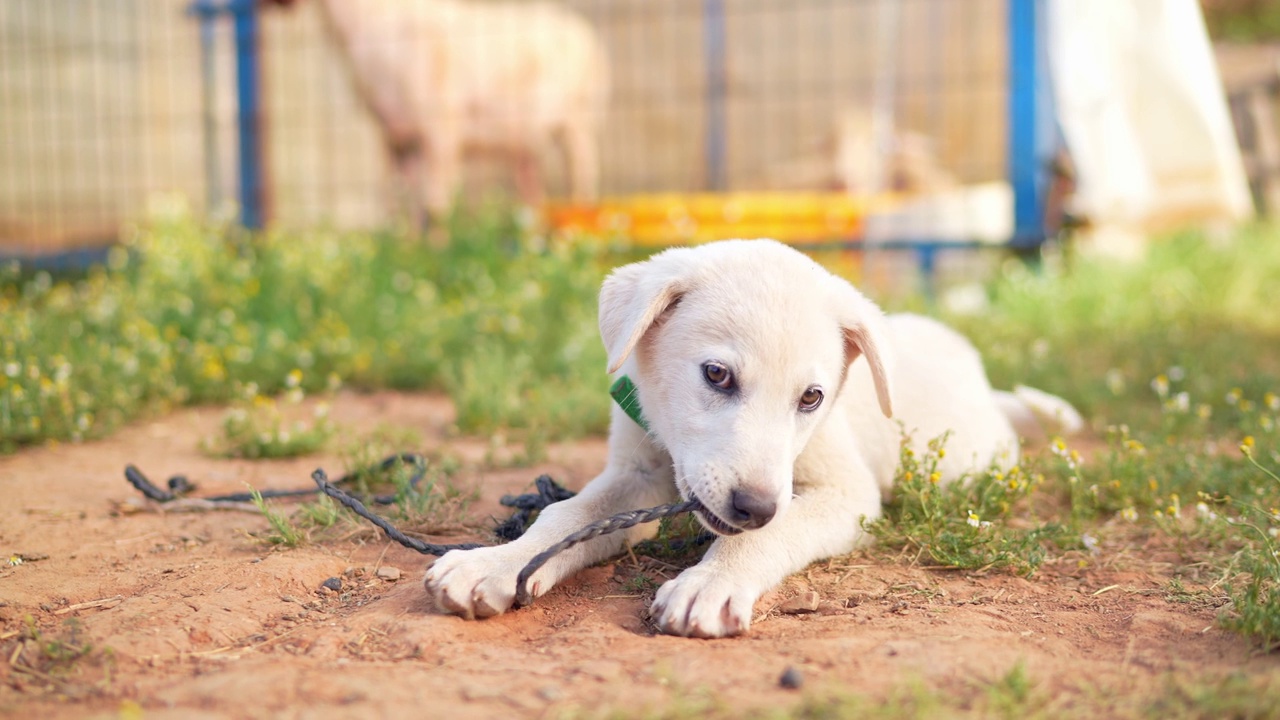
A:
[(811, 399), (718, 375)]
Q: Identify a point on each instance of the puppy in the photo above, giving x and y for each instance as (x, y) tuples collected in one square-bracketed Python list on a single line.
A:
[(775, 394)]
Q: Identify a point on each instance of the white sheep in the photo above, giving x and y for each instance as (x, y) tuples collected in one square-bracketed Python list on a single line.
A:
[(446, 78)]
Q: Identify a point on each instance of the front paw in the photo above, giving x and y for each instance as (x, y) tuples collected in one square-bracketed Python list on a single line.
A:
[(477, 583), (702, 602)]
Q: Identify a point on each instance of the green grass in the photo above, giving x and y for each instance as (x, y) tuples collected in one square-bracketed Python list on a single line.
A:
[(962, 525), (1104, 332), (191, 314), (1176, 362), (284, 532)]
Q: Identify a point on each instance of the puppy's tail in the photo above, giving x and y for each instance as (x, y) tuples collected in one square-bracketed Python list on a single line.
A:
[(1037, 414)]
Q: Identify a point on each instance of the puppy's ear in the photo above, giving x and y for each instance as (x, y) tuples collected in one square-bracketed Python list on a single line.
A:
[(866, 334), (633, 297)]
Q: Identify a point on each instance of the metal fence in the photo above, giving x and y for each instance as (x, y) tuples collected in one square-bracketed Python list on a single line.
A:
[(114, 109)]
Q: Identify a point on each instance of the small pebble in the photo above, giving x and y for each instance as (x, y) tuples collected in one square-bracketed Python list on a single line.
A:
[(333, 583), (791, 678), (805, 602), (389, 573), (550, 693)]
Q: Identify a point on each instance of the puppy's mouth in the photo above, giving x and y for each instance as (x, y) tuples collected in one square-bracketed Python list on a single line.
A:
[(711, 520)]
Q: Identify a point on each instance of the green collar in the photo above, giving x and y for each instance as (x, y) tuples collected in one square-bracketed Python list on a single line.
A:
[(624, 393)]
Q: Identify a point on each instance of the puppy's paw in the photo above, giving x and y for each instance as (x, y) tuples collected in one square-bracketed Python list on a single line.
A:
[(702, 602), (477, 583)]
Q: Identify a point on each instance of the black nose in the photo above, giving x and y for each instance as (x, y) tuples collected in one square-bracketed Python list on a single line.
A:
[(752, 510)]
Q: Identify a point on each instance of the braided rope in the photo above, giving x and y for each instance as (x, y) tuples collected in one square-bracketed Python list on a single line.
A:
[(179, 486), (322, 481), (548, 492), (621, 521)]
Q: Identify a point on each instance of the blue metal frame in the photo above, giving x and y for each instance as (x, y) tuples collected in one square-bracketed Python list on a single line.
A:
[(1031, 126), (244, 13)]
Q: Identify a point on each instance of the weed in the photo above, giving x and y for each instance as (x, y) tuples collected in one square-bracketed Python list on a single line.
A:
[(1256, 599), (1011, 695), (640, 585), (322, 514), (962, 524), (283, 531)]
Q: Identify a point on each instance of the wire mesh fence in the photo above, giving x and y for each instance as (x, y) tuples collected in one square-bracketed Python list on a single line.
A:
[(113, 109)]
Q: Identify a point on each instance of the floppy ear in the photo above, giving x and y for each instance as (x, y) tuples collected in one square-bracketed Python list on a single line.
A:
[(633, 297), (866, 334)]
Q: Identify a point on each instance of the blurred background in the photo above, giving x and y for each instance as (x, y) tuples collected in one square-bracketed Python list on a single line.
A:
[(885, 123)]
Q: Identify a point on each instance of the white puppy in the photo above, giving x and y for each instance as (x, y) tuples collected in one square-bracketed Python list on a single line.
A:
[(767, 385)]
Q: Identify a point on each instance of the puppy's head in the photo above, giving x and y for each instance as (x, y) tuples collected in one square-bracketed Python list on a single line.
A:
[(738, 350)]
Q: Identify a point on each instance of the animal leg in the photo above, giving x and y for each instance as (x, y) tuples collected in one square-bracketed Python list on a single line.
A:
[(715, 598), (583, 159), (528, 175), (482, 582)]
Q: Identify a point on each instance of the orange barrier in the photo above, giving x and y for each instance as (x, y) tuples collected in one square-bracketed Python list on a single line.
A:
[(673, 218)]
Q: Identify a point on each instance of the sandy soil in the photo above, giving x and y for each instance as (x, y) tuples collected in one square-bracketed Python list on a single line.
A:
[(191, 616)]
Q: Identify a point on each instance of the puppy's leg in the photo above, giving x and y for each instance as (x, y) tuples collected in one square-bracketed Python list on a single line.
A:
[(715, 598), (482, 582)]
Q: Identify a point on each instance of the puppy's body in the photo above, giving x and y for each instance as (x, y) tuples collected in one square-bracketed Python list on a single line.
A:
[(776, 395)]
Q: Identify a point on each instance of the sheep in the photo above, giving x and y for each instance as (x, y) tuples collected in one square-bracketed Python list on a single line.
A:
[(446, 78)]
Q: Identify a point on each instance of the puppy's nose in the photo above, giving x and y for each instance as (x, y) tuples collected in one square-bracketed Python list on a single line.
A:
[(752, 510)]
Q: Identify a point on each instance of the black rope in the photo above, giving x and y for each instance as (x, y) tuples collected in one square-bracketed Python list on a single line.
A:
[(179, 486), (357, 507), (621, 521), (547, 492)]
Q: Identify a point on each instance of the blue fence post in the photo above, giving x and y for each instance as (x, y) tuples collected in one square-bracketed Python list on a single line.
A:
[(1031, 129), (249, 119), (714, 48)]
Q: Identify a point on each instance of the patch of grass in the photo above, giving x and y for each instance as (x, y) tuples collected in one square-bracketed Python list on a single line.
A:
[(1235, 696), (640, 585), (186, 313), (1124, 341), (1012, 695), (963, 524), (1173, 361), (257, 428), (1256, 597)]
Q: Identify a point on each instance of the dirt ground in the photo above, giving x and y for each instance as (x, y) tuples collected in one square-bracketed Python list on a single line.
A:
[(190, 616)]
